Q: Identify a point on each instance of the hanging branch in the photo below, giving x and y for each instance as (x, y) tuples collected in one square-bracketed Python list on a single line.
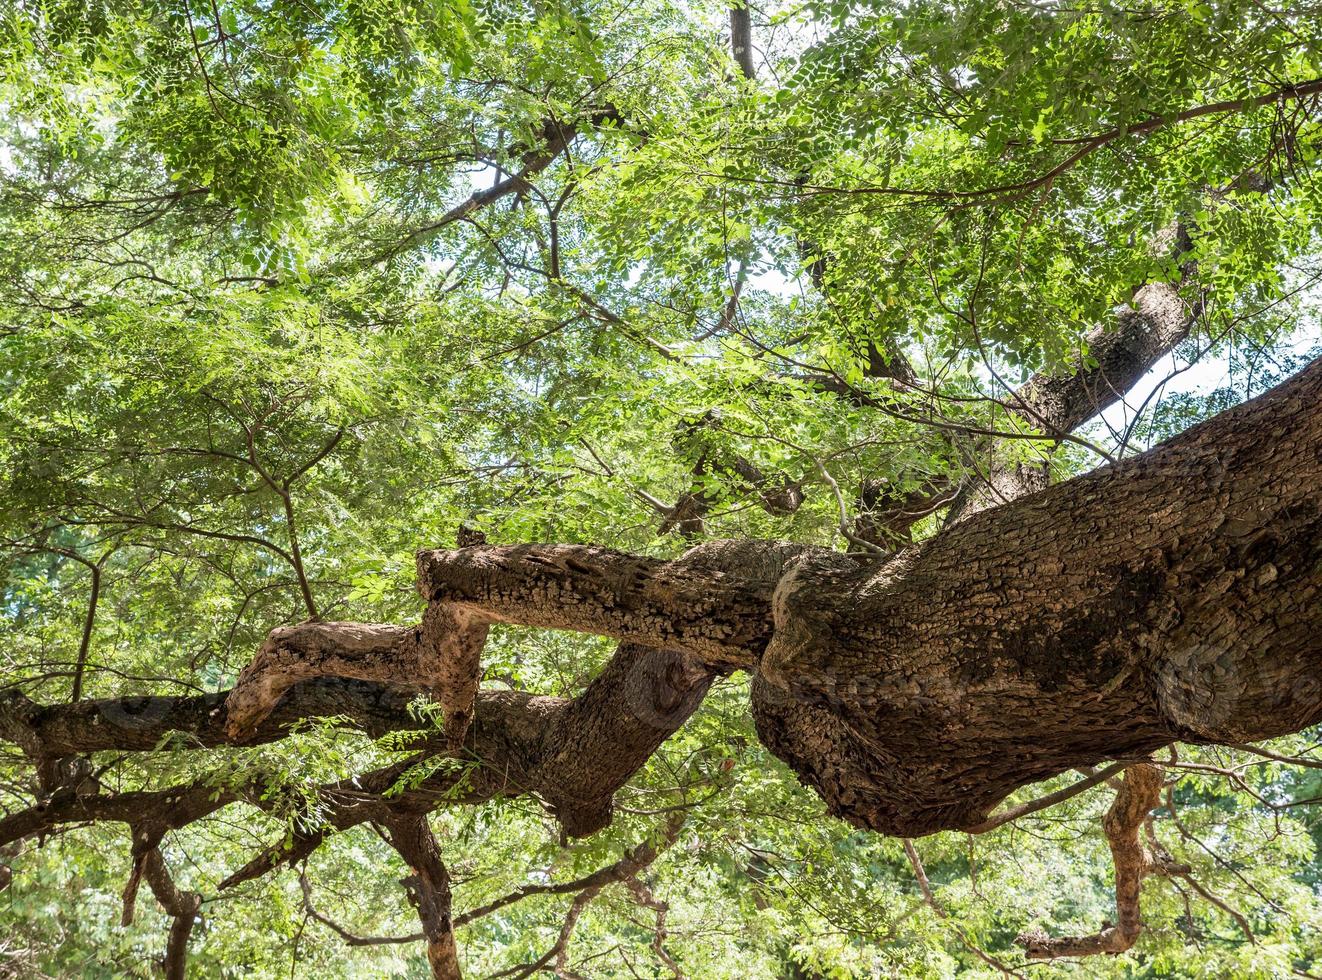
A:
[(1139, 793)]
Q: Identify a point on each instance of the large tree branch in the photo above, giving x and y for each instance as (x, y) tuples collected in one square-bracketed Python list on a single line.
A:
[(1120, 354), (741, 39), (573, 753), (1168, 596), (711, 603), (181, 906)]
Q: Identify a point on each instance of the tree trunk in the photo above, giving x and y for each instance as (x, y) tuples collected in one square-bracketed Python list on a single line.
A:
[(1171, 596)]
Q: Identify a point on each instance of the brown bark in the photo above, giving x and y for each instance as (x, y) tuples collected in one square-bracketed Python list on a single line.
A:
[(741, 39), (429, 890), (711, 603), (573, 753), (1171, 596), (1155, 321), (1138, 795), (181, 906)]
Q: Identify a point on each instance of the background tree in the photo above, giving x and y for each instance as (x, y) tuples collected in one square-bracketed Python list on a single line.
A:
[(292, 291)]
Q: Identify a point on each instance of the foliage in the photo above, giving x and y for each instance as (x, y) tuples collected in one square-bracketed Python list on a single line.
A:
[(251, 360)]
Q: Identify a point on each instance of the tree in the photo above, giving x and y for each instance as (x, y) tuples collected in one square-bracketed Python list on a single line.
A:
[(801, 335)]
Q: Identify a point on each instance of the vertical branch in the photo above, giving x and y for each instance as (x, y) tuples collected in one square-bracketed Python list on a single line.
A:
[(89, 618), (741, 39), (89, 622), (1138, 794), (9, 852), (181, 906), (286, 498), (282, 489), (429, 890), (297, 555)]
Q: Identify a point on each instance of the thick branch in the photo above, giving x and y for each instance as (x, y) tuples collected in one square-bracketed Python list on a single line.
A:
[(573, 753), (1170, 596), (171, 808), (713, 602), (1157, 320), (741, 39), (182, 906)]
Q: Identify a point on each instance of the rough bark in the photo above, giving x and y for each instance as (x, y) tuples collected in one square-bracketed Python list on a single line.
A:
[(1138, 794), (428, 886), (712, 602), (741, 39), (1171, 596), (573, 753), (1119, 353), (1157, 319), (181, 906)]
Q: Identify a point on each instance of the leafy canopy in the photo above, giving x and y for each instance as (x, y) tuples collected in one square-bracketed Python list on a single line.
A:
[(293, 288)]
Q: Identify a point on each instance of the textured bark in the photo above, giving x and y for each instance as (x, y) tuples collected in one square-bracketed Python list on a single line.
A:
[(571, 752), (1156, 320), (1139, 793), (741, 39), (1120, 353), (428, 887), (170, 808), (712, 602), (1172, 596), (294, 653), (443, 654), (182, 906)]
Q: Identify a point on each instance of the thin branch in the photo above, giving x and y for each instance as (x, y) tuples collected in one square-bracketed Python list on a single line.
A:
[(925, 886), (1050, 800)]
